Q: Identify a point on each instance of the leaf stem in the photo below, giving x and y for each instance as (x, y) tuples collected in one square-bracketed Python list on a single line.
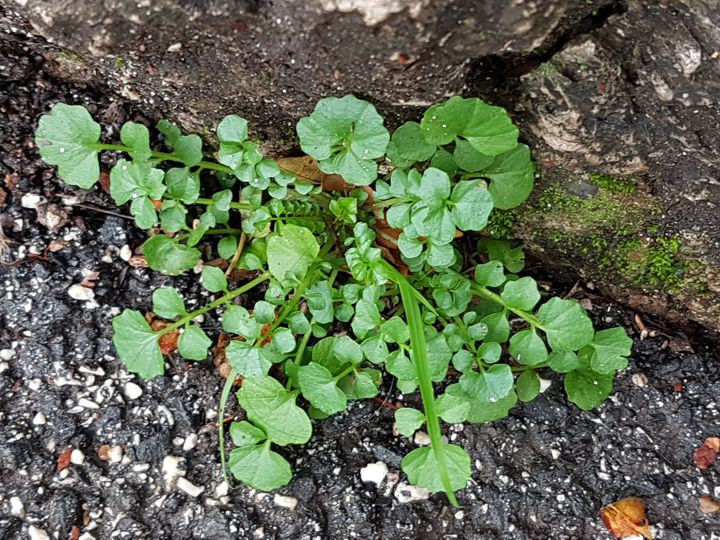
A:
[(227, 387), (235, 205), (217, 303), (345, 372), (483, 292)]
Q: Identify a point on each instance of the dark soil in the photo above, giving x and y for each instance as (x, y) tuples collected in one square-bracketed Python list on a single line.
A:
[(544, 472)]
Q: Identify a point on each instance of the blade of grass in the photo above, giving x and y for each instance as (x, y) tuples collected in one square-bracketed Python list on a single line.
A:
[(422, 368)]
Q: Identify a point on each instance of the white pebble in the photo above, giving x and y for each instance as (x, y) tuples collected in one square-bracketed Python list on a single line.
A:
[(422, 438), (459, 514), (374, 472), (77, 457), (31, 200), (639, 379), (221, 489), (7, 354), (544, 384), (191, 489), (286, 502), (405, 493), (172, 470), (175, 47), (16, 507), (132, 390), (37, 534), (190, 442), (39, 419), (78, 292), (115, 454), (555, 453), (87, 404), (126, 253)]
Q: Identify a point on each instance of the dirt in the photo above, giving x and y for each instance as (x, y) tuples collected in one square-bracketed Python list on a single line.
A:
[(544, 472)]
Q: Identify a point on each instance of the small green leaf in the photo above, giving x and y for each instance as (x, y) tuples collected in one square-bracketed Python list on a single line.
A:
[(347, 350), (320, 302), (469, 159), (452, 409), (169, 257), (408, 145), (367, 318), (490, 274), (260, 468), (272, 408), (187, 147), (527, 386), (484, 411), (375, 349), (129, 180), (399, 365), (244, 434), (522, 294), (487, 128), (611, 347), (194, 343), (511, 177), (471, 205), (290, 253), (172, 216), (144, 211), (246, 359), (489, 352), (501, 250), (237, 320), (182, 184), (421, 467), (563, 362), (528, 348), (137, 345), (345, 209), (566, 324), (463, 360), (477, 331), (167, 303), (361, 384), (137, 137), (320, 388), (408, 420), (213, 279), (264, 312), (493, 384), (227, 246), (232, 132), (345, 135), (498, 327), (67, 137), (588, 389), (395, 330)]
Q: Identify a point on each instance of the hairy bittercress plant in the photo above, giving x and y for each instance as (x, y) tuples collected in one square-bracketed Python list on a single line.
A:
[(356, 284)]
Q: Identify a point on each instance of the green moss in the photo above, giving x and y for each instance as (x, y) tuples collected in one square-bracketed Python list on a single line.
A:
[(120, 62), (501, 223), (614, 185), (69, 56)]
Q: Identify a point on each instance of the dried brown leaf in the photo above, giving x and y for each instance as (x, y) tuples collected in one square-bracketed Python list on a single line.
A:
[(626, 517)]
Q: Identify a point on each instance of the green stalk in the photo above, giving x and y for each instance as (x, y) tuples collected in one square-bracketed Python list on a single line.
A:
[(482, 292), (227, 387), (422, 368), (225, 299)]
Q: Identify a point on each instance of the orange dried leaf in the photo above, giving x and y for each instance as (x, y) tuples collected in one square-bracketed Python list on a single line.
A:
[(104, 452), (63, 461), (704, 457), (713, 442), (168, 342), (626, 517), (306, 168), (708, 505)]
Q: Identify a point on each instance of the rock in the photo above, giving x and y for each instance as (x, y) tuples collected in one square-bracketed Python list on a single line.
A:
[(421, 438), (190, 442), (39, 419), (286, 502), (126, 253), (78, 292), (639, 379), (37, 534), (172, 469), (405, 493), (132, 390), (31, 200), (16, 507), (374, 472), (191, 489), (115, 454), (77, 457)]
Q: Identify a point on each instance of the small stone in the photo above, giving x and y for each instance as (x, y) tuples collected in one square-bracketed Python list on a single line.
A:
[(221, 489), (183, 484), (639, 379), (78, 292), (422, 438), (115, 454), (31, 200), (190, 442), (132, 390), (286, 502), (37, 534), (405, 493), (172, 470), (39, 419), (175, 47), (459, 514), (7, 354), (544, 384), (374, 472), (126, 253), (77, 457), (259, 533), (555, 453), (87, 404), (17, 508)]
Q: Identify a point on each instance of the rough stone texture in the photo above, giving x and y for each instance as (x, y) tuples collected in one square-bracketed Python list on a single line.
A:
[(628, 89)]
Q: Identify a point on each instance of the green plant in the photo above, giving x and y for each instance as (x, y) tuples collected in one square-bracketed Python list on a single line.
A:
[(349, 284)]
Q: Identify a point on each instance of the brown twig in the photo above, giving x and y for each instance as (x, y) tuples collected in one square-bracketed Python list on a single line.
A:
[(236, 257)]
